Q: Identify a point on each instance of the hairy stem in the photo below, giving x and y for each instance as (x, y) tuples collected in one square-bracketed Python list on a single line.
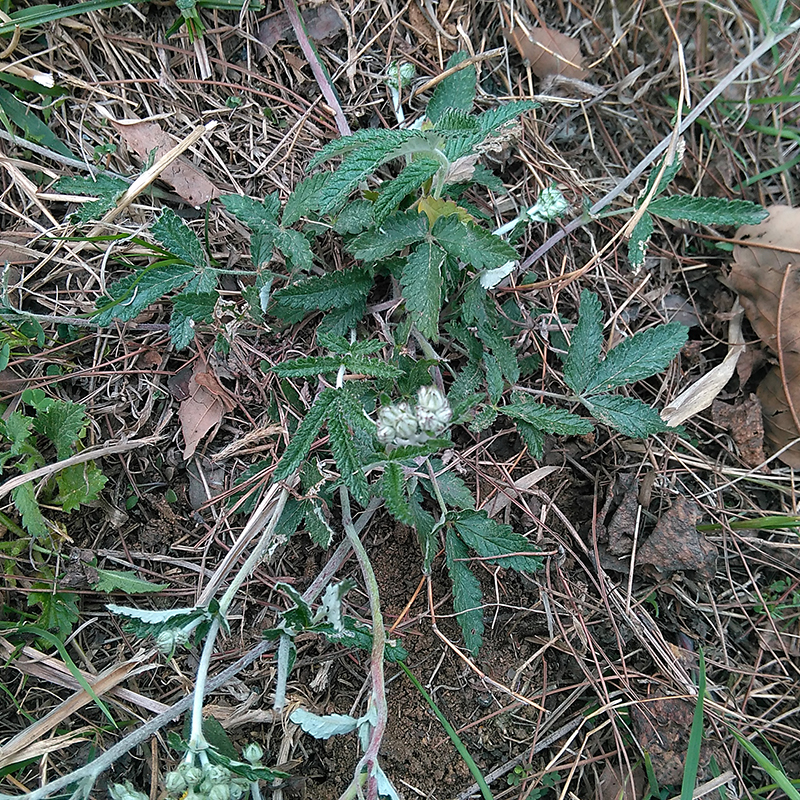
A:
[(370, 758)]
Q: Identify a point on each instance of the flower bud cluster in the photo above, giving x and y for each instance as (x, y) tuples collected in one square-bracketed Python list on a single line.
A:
[(401, 424), (400, 74), (209, 782), (168, 641)]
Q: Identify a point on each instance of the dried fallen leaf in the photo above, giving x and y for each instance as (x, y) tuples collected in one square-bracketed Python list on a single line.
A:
[(612, 786), (201, 411), (746, 427), (766, 274), (187, 180), (549, 52), (702, 392), (502, 499), (322, 24), (676, 544)]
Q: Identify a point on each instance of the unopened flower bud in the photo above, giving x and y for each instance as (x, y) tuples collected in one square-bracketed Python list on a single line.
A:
[(126, 791), (397, 425), (550, 205), (400, 74), (235, 790), (215, 773), (219, 792), (192, 775), (175, 782), (168, 640), (253, 753), (433, 410)]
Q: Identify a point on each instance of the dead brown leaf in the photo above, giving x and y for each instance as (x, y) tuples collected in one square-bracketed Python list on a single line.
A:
[(745, 425), (612, 786), (766, 274), (322, 24), (549, 52), (201, 411), (187, 180), (676, 544)]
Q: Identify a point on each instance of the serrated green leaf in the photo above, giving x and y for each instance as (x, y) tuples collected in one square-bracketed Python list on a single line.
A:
[(422, 287), (467, 597), (472, 244), (298, 616), (295, 248), (134, 293), (365, 138), (317, 526), (181, 330), (78, 485), (175, 617), (18, 430), (494, 378), (401, 229), (176, 236), (33, 520), (586, 343), (250, 211), (198, 306), (344, 451), (106, 188), (304, 198), (110, 580), (359, 164), (394, 493), (493, 119), (640, 356), (455, 91), (494, 541), (354, 217), (335, 289), (708, 210), (344, 319), (483, 419), (409, 180), (307, 366), (304, 436), (626, 414), (640, 238), (374, 367), (63, 423), (533, 437), (547, 418), (425, 526), (454, 491), (456, 120)]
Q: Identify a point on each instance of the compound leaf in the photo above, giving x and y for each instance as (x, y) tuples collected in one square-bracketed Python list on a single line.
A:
[(106, 188), (494, 541), (18, 430), (250, 211), (366, 139), (467, 597), (626, 414), (642, 355), (586, 343), (422, 287), (198, 306), (472, 244), (344, 451), (304, 198)]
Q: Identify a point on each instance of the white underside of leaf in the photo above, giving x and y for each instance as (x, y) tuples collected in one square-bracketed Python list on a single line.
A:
[(701, 394), (491, 277)]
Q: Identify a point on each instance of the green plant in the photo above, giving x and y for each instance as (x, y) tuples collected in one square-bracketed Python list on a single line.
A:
[(58, 426), (781, 597)]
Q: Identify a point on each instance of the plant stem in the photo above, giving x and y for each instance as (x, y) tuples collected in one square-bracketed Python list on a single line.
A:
[(370, 758), (284, 653), (197, 742)]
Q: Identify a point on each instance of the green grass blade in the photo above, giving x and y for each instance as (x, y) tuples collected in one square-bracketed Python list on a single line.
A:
[(695, 738), (776, 773), (454, 737)]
